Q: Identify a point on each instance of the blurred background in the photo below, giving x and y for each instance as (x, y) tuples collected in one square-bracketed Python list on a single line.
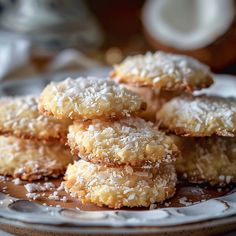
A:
[(47, 36)]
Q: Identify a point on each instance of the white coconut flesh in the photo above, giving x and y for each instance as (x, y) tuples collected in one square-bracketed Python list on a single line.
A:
[(187, 24)]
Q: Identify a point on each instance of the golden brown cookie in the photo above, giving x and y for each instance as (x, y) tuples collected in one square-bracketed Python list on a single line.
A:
[(30, 160), (88, 98), (119, 187), (199, 116), (164, 71), (129, 141), (210, 159), (19, 116), (154, 98)]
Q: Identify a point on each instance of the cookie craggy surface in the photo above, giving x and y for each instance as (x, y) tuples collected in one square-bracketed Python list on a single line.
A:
[(129, 141), (163, 71), (88, 98), (118, 187), (210, 159), (199, 116), (19, 116), (31, 160)]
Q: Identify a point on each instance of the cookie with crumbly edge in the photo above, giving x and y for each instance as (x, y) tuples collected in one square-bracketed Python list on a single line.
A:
[(207, 160), (88, 98), (199, 116), (154, 98), (129, 141), (19, 116), (31, 160), (119, 187), (164, 71)]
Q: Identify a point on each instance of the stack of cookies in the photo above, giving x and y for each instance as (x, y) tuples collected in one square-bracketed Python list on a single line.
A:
[(32, 145), (208, 123), (209, 148), (123, 160)]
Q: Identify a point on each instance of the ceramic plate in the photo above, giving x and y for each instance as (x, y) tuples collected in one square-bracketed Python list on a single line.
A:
[(194, 207)]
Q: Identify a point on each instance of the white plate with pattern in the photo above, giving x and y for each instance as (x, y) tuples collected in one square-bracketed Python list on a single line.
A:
[(210, 216)]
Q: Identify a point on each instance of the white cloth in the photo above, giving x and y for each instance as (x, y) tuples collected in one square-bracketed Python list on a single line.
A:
[(3, 233), (15, 56), (14, 53), (71, 58)]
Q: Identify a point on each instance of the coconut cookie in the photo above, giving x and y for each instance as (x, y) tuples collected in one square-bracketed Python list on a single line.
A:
[(164, 71), (88, 98), (19, 116), (199, 116), (31, 160), (211, 159), (154, 98), (119, 187), (129, 141)]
